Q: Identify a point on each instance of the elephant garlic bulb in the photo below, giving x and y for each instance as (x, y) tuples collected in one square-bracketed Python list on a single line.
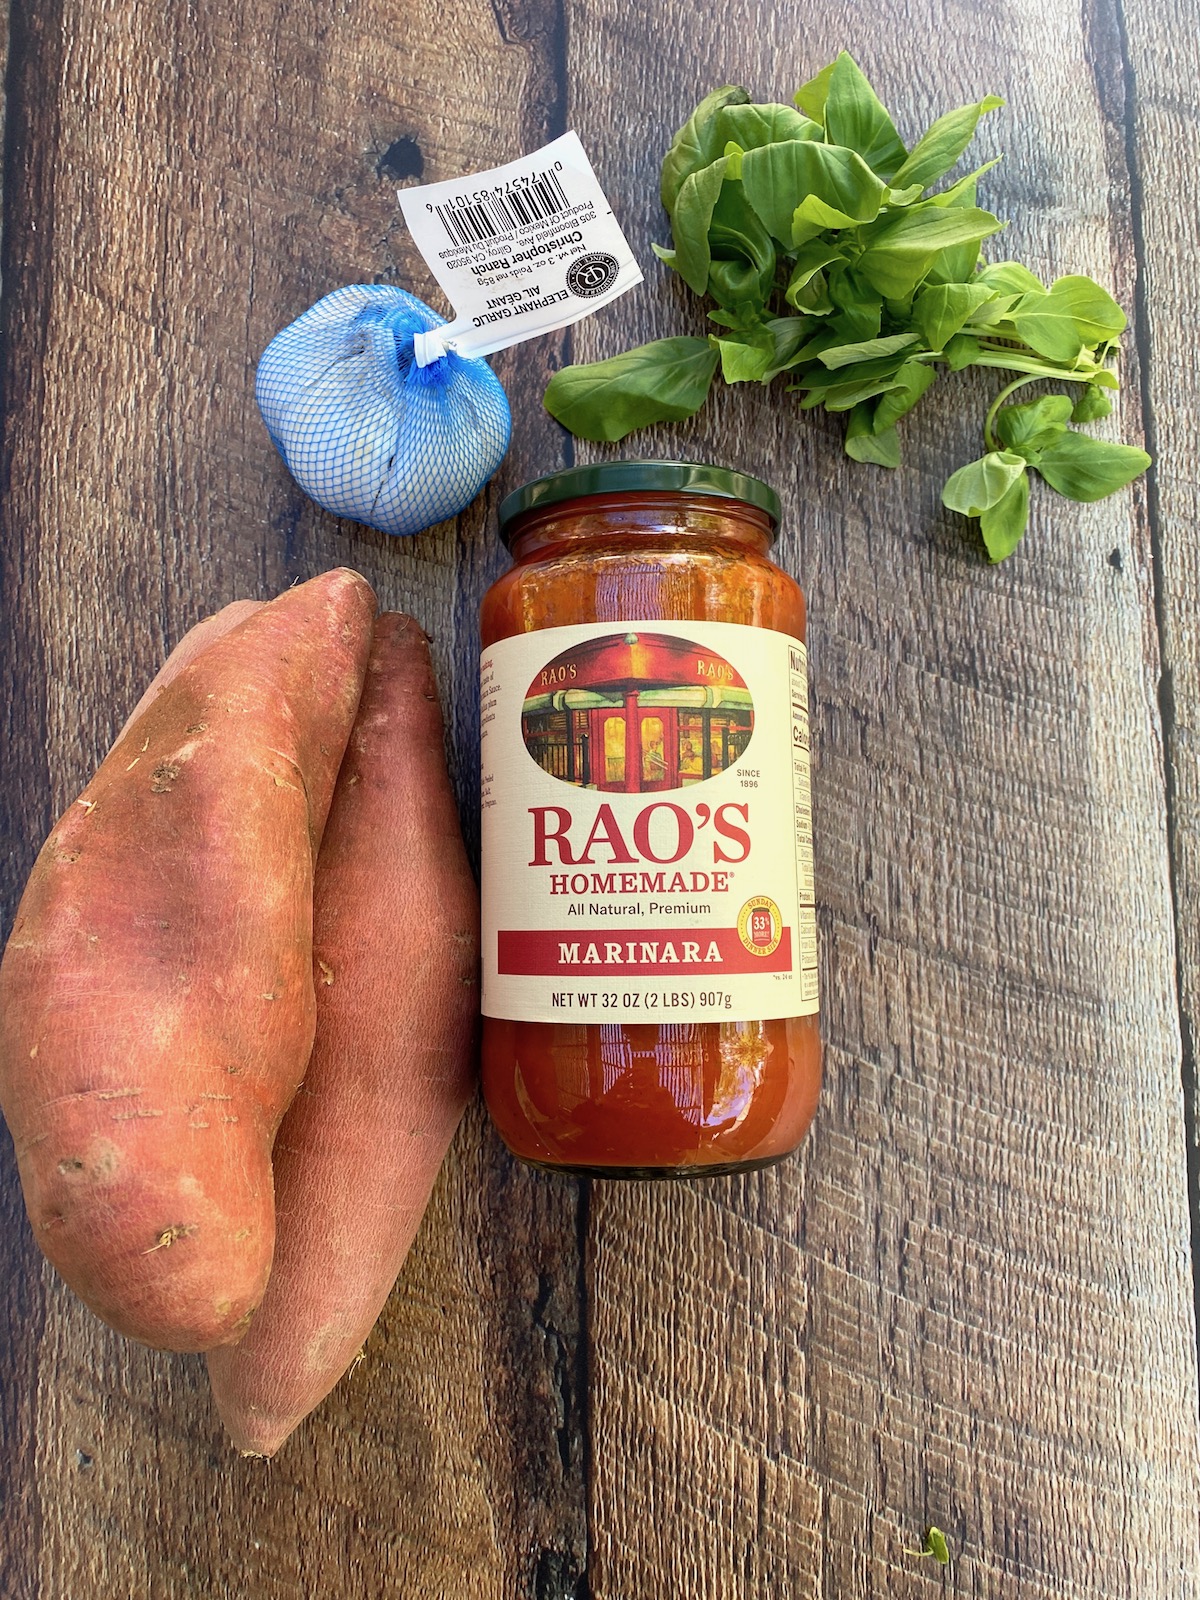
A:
[(364, 429)]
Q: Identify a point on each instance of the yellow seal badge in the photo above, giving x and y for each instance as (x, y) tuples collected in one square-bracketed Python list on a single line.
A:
[(760, 925)]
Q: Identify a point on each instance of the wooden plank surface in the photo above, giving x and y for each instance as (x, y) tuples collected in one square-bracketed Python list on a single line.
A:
[(969, 1300), (1162, 51), (191, 179)]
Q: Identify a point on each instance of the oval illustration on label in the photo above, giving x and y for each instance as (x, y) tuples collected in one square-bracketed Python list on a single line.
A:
[(637, 713)]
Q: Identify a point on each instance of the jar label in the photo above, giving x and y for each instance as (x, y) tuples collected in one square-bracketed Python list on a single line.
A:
[(647, 825)]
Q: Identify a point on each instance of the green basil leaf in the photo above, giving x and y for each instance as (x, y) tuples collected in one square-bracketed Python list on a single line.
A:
[(810, 258), (901, 251), (1047, 326), (1009, 277), (811, 96), (941, 310), (818, 378), (750, 126), (741, 320), (845, 396), (902, 197), (843, 389), (1029, 428), (779, 177), (854, 117), (990, 312), (1072, 313), (1092, 405), (843, 355), (742, 265), (813, 217), (927, 228), (983, 483), (697, 144), (747, 360), (1084, 468), (936, 151), (958, 262), (956, 265), (899, 310), (1003, 527), (791, 335), (664, 381), (736, 285), (935, 1543), (733, 154), (864, 444), (807, 354), (690, 222), (1097, 314), (961, 351), (860, 309), (912, 380), (812, 296), (962, 192)]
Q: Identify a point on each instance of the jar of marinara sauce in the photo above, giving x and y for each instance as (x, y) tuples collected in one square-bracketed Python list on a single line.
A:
[(650, 957)]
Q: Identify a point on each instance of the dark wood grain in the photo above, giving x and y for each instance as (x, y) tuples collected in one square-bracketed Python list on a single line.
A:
[(33, 50), (1161, 53), (182, 182), (968, 1300)]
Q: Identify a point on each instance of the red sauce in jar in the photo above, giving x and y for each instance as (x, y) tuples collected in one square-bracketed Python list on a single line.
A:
[(668, 749)]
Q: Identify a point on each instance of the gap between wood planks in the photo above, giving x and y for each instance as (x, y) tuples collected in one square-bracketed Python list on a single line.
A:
[(1166, 696), (583, 1360), (581, 1588)]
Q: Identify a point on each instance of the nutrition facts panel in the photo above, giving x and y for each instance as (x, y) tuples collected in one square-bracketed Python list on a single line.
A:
[(802, 811)]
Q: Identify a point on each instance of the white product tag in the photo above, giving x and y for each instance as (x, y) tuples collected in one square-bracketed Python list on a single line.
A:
[(519, 250)]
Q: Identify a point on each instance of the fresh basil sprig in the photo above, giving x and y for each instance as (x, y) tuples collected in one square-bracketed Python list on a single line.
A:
[(933, 1544), (833, 259)]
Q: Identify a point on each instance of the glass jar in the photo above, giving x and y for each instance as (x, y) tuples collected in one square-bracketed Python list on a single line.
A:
[(650, 990)]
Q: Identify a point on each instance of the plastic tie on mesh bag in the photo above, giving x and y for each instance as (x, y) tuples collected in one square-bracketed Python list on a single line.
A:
[(365, 429)]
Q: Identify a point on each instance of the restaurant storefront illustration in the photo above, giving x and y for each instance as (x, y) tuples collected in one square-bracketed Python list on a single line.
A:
[(637, 713)]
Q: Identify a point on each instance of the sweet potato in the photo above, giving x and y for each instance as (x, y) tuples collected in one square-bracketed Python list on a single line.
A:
[(396, 943), (156, 998), (194, 642)]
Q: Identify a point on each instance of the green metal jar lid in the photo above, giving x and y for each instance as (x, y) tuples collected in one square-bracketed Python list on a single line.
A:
[(615, 477)]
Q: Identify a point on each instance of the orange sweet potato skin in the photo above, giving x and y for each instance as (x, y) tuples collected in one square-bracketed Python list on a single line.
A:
[(156, 1000), (397, 964), (194, 642)]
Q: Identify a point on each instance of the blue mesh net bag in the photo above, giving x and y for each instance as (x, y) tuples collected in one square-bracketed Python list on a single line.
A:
[(364, 429)]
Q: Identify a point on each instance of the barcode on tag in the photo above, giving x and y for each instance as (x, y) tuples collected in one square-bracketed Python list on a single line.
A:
[(518, 250), (488, 216)]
